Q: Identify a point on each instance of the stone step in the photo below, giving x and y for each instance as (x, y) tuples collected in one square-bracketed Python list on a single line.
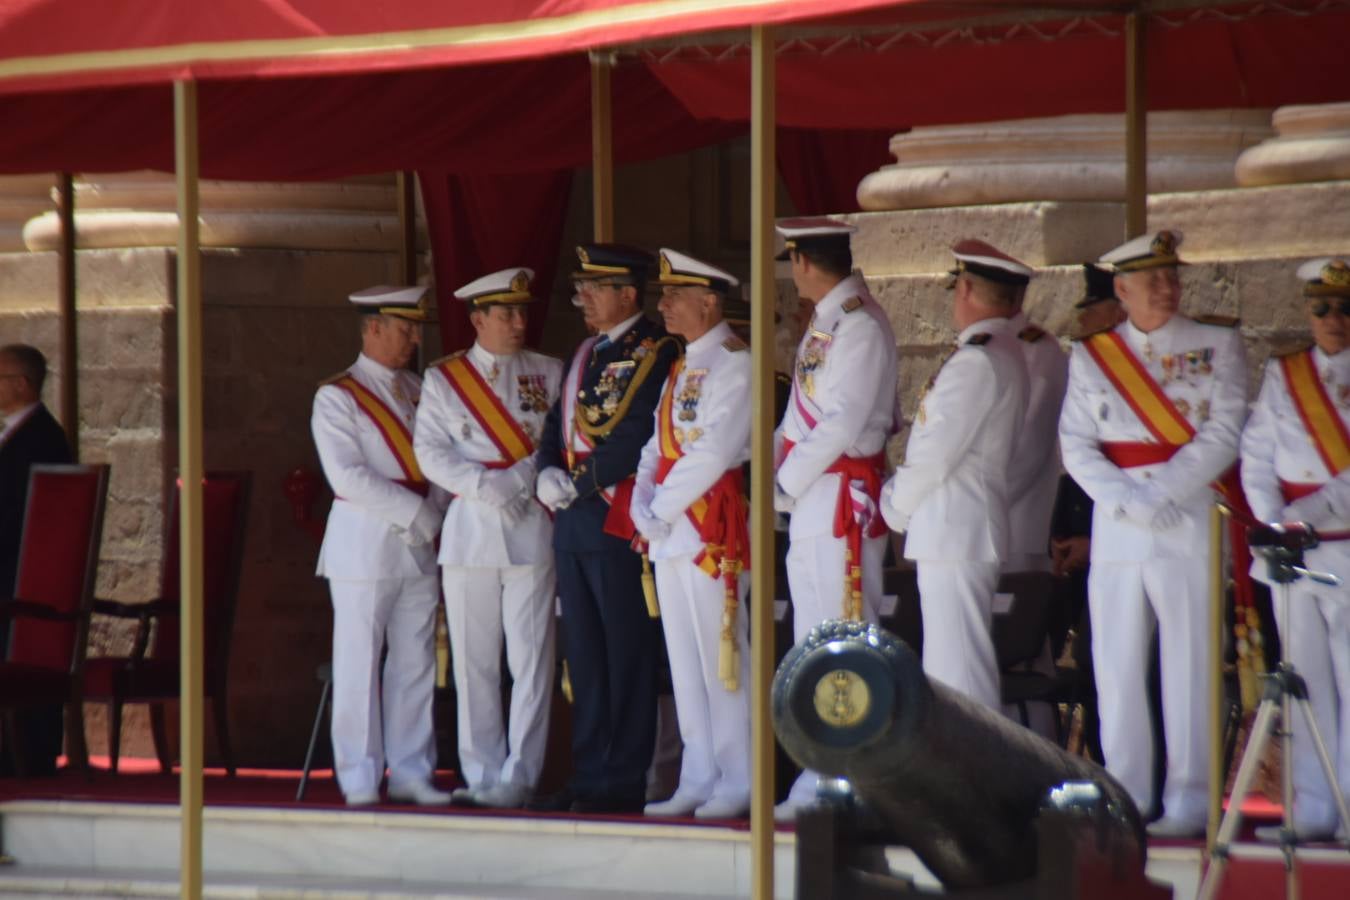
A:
[(480, 855)]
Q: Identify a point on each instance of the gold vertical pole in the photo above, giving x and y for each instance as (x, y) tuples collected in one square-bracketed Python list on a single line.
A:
[(1136, 125), (70, 350), (602, 145), (189, 311), (407, 227), (1216, 597), (763, 296)]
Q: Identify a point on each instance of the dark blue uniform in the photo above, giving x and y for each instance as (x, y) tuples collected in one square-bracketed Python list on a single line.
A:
[(610, 643)]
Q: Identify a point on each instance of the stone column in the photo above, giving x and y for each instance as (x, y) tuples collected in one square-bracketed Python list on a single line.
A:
[(21, 198), (1312, 143), (1065, 158), (139, 210)]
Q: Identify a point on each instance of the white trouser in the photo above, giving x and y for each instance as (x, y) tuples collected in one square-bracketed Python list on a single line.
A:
[(957, 599), (1319, 647), (1125, 601), (815, 569), (366, 614), (481, 605), (714, 722)]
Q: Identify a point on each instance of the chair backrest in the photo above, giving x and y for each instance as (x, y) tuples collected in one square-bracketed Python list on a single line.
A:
[(1020, 634), (58, 563), (225, 500)]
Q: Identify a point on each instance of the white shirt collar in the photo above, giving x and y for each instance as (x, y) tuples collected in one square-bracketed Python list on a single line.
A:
[(481, 354), (15, 419), (619, 330), (375, 370), (1139, 338), (852, 286), (712, 338)]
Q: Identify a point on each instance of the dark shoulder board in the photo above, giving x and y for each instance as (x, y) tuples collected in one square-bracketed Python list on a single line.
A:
[(852, 304), (734, 344), (979, 340), (1031, 334), (782, 378), (1087, 334), (1293, 349), (334, 379), (1221, 321), (445, 359)]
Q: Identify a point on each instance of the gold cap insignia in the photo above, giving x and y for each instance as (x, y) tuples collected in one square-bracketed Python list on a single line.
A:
[(1336, 273), (665, 265), (583, 255), (520, 283), (1164, 244)]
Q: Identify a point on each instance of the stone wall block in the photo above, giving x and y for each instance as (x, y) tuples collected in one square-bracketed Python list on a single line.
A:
[(28, 281), (1038, 233), (1295, 220), (121, 398)]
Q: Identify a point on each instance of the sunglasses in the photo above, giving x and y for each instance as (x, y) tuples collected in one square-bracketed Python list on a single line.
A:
[(1321, 308)]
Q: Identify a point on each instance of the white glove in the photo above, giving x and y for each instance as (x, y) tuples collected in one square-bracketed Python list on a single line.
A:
[(425, 526), (648, 525), (1312, 509), (1140, 507), (502, 487), (554, 489), (783, 502), (1167, 517)]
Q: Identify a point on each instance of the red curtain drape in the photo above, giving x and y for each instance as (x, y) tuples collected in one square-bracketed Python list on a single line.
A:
[(821, 168), (482, 223)]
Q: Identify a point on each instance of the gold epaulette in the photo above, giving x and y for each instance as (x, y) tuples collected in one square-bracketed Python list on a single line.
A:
[(1087, 334), (445, 359), (1221, 321), (1031, 334), (334, 379), (734, 344), (979, 340), (853, 303), (1291, 349)]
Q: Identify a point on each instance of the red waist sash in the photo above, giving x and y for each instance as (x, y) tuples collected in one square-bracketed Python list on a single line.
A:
[(1297, 490)]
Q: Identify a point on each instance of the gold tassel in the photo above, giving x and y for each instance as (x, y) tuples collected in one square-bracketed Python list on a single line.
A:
[(728, 654), (1251, 662), (649, 589), (566, 683)]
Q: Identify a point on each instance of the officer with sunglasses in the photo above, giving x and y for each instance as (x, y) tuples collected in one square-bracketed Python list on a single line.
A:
[(1296, 468)]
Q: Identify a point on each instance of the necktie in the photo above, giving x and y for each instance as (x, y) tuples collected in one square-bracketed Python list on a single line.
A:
[(603, 343)]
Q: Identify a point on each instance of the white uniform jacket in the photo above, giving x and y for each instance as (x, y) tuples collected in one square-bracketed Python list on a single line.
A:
[(453, 447), (370, 509), (951, 493), (1033, 470), (844, 379), (1202, 369), (1276, 447), (712, 403)]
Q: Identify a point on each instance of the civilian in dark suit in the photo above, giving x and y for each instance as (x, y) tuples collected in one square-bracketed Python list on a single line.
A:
[(588, 455), (28, 435)]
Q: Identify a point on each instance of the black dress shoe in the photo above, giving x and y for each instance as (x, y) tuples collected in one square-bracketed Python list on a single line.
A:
[(561, 801), (610, 803)]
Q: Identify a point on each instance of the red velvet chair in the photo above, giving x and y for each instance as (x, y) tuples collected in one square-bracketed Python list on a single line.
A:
[(153, 677), (48, 615)]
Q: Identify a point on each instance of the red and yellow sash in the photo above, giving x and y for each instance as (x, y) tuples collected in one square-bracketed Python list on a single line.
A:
[(719, 515), (396, 434), (1319, 415), (1124, 370), (479, 398)]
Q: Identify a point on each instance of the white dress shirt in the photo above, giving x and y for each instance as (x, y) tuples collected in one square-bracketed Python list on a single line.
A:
[(845, 379), (717, 436), (1202, 369), (453, 447), (951, 493)]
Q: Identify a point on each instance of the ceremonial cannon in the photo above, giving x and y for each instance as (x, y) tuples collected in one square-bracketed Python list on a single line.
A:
[(991, 809)]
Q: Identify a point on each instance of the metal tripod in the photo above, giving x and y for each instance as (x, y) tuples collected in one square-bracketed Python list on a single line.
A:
[(1282, 547)]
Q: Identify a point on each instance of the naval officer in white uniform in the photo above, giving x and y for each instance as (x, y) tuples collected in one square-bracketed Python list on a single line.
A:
[(1147, 457), (688, 503), (830, 446), (481, 414), (950, 496), (379, 558), (1296, 473)]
